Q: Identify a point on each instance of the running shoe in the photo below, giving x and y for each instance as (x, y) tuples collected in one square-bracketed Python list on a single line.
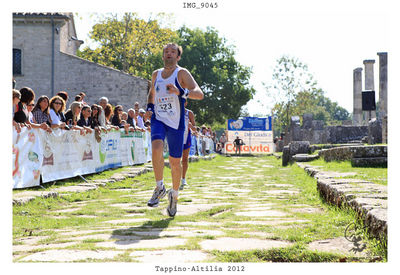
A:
[(157, 195), (183, 184), (172, 204)]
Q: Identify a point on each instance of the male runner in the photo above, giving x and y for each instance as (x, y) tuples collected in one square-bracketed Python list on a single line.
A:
[(170, 88), (190, 125)]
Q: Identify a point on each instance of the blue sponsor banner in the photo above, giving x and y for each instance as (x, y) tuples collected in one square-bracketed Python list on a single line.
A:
[(250, 124)]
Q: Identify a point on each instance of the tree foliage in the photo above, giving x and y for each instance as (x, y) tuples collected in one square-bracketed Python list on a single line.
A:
[(130, 44), (224, 81), (295, 92), (135, 46)]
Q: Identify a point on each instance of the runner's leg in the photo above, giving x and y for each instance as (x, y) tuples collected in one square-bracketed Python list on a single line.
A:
[(185, 162), (157, 149)]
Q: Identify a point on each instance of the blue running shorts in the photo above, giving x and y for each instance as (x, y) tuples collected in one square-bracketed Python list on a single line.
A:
[(174, 137)]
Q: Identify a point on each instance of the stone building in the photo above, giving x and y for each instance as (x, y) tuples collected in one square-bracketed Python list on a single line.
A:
[(44, 59)]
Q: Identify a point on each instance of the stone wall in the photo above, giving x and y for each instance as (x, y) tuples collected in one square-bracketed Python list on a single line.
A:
[(32, 34), (316, 132), (97, 81), (345, 134), (360, 156)]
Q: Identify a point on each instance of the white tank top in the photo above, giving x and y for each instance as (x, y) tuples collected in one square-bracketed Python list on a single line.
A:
[(185, 135), (168, 107)]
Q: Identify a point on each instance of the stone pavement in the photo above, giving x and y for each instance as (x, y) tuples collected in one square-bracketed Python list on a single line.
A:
[(224, 212)]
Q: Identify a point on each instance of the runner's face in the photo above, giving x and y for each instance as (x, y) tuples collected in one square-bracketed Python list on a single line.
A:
[(170, 56)]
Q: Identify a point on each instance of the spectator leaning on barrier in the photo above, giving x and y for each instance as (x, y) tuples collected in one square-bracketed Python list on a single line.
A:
[(73, 113), (103, 101), (16, 99), (116, 119), (57, 106), (29, 108), (108, 110), (41, 110), (95, 115), (28, 99), (21, 113), (140, 119), (124, 116), (85, 120), (131, 118)]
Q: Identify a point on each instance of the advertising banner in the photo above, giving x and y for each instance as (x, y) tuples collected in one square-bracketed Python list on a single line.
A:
[(67, 154), (256, 134), (27, 158), (250, 124), (64, 154)]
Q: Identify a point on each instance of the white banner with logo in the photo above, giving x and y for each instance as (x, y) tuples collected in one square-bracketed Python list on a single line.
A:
[(64, 154), (255, 142), (27, 158)]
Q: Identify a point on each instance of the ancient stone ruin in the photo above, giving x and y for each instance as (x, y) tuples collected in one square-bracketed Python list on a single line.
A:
[(367, 126)]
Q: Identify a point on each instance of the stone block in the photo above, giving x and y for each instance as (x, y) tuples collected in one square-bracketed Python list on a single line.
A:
[(317, 124), (374, 131), (304, 157), (285, 155), (307, 121), (369, 151), (369, 162), (299, 147)]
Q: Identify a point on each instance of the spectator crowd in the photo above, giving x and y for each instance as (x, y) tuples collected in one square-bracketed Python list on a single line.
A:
[(52, 113)]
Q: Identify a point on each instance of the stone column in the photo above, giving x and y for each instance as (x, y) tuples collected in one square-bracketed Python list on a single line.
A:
[(382, 84), (369, 82), (357, 89)]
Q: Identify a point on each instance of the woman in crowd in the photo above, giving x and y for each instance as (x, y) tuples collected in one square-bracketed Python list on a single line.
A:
[(85, 120), (116, 119), (41, 110), (72, 115), (16, 99), (21, 112), (95, 116), (29, 108), (57, 106), (108, 113), (23, 115)]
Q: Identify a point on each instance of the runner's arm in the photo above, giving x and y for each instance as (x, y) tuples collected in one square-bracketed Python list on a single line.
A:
[(150, 96), (188, 82), (192, 122)]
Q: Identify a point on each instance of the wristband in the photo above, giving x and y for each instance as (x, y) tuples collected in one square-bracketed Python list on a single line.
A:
[(184, 93), (150, 107)]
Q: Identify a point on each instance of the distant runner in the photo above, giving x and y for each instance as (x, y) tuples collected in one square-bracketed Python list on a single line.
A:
[(190, 125)]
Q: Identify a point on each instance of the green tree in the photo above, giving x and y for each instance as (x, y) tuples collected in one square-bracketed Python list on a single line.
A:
[(224, 81), (295, 93), (290, 76), (130, 44)]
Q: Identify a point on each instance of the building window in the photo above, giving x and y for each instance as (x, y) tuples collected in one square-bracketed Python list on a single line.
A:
[(17, 62)]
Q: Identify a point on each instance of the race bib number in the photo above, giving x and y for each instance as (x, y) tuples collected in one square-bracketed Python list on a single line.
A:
[(165, 105)]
